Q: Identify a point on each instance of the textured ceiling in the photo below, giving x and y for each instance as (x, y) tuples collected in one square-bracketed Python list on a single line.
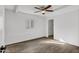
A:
[(29, 8)]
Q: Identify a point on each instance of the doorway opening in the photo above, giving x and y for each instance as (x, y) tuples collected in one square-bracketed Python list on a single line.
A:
[(51, 29)]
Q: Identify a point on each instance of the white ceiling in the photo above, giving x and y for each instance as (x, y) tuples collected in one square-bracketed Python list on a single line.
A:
[(30, 8)]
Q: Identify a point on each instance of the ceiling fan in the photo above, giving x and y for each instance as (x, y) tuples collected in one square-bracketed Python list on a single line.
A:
[(43, 9)]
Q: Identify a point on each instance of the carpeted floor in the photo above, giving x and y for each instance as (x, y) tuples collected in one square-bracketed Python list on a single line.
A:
[(44, 45)]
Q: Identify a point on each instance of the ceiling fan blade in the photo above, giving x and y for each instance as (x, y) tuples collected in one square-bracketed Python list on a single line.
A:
[(50, 10), (36, 11), (47, 7), (37, 8)]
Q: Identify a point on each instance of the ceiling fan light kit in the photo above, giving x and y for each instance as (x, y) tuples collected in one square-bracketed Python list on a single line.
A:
[(43, 12)]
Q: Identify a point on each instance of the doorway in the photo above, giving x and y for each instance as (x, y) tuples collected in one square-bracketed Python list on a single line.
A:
[(51, 29)]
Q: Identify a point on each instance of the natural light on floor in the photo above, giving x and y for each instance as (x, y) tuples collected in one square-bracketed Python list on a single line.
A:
[(53, 41)]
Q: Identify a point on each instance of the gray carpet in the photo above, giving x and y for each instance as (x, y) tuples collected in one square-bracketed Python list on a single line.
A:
[(44, 45)]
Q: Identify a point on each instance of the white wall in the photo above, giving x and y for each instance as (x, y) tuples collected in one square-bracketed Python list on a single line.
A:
[(1, 25), (1, 30), (66, 26), (16, 30)]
